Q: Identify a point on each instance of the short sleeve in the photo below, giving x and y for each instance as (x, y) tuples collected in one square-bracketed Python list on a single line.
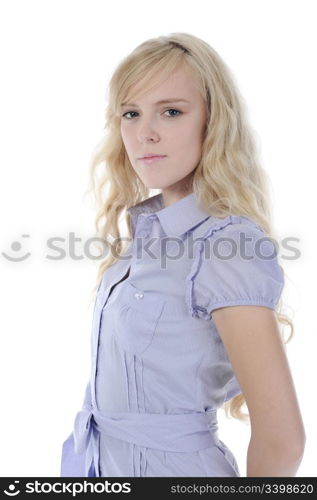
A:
[(234, 264)]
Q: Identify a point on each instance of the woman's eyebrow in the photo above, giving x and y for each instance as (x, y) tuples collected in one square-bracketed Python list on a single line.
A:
[(163, 101)]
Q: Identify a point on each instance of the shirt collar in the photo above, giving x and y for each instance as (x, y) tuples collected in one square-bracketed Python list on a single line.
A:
[(176, 219)]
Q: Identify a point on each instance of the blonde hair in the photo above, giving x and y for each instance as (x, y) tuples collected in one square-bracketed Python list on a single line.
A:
[(227, 180)]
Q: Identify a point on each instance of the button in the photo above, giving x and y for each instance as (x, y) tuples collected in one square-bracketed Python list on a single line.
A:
[(139, 295)]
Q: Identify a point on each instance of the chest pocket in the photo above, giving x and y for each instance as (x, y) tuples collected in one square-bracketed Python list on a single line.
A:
[(136, 316)]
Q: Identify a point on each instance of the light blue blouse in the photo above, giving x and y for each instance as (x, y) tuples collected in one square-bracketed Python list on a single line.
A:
[(159, 369)]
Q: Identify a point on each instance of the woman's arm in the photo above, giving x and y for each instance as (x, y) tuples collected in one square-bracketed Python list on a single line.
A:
[(252, 340)]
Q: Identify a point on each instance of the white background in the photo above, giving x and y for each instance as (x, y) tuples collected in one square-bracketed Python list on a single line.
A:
[(56, 60)]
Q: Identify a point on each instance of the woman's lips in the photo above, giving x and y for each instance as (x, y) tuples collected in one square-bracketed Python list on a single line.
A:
[(151, 159)]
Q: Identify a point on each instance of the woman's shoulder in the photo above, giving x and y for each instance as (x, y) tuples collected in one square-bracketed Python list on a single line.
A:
[(216, 235), (231, 224)]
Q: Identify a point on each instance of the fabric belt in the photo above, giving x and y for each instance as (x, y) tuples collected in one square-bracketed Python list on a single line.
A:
[(182, 432)]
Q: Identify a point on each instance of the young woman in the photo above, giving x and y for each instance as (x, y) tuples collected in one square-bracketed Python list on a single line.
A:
[(186, 314)]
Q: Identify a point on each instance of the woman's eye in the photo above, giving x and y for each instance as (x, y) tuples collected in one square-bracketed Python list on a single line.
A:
[(125, 114), (179, 112), (169, 116)]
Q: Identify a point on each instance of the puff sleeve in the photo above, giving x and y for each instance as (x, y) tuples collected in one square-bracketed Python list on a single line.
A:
[(235, 263)]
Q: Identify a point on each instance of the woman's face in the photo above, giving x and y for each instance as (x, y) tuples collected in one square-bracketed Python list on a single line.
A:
[(173, 129)]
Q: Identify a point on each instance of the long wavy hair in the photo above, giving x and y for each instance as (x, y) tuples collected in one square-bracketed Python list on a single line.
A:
[(228, 179)]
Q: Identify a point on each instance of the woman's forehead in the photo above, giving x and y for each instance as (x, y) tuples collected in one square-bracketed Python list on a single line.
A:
[(175, 88)]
